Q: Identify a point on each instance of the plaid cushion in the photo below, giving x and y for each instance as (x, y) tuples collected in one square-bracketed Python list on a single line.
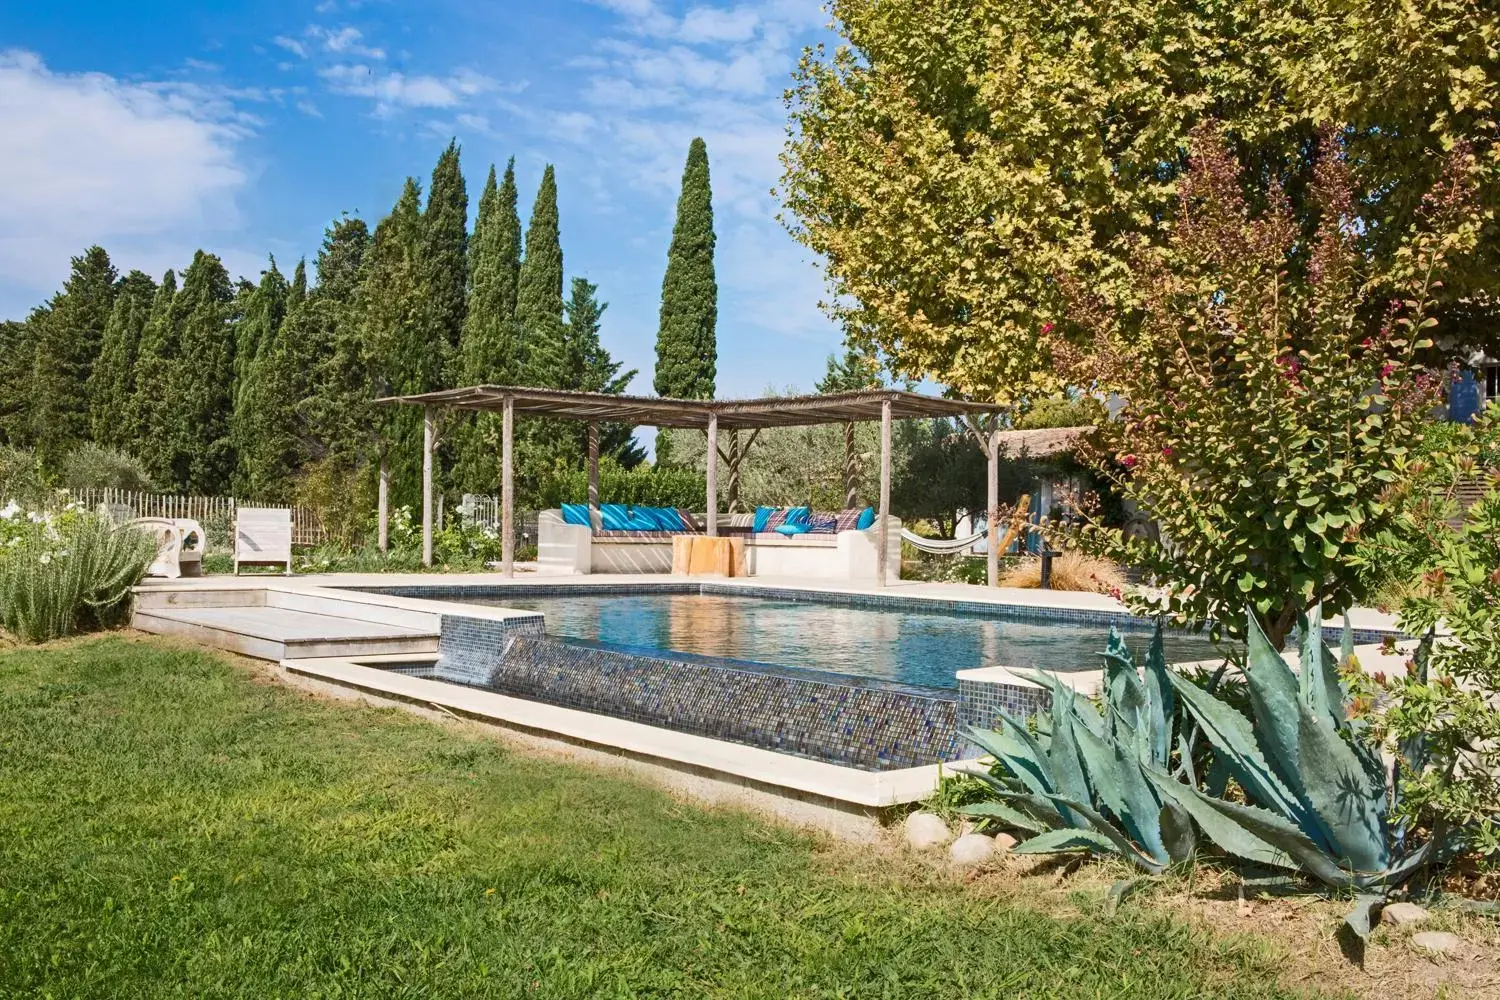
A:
[(847, 519), (823, 524), (776, 520), (689, 522)]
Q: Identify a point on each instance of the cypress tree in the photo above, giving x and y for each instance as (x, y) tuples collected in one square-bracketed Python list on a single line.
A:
[(150, 423), (112, 382), (488, 349), (340, 258), (256, 331), (337, 411), (394, 316), (202, 402), (64, 353), (539, 294), (686, 348), (445, 241), (15, 383)]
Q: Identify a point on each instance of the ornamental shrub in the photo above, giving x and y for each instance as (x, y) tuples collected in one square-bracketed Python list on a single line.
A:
[(1264, 382), (64, 573)]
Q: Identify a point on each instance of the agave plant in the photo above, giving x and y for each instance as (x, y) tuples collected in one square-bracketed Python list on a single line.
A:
[(1318, 797), (1088, 779)]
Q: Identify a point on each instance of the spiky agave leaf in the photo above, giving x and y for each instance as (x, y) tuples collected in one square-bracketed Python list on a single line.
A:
[(1018, 752), (1318, 676), (1160, 705), (1012, 816), (1350, 811)]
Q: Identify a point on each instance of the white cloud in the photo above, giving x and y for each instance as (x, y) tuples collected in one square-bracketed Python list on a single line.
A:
[(392, 90), (142, 168), (293, 46), (345, 41)]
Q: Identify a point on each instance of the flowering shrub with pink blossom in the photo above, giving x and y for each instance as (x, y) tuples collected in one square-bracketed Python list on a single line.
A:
[(1267, 383)]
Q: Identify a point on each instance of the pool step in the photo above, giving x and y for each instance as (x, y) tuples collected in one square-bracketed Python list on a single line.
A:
[(272, 633)]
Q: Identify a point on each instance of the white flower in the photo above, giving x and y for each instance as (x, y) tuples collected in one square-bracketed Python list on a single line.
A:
[(10, 510), (44, 558)]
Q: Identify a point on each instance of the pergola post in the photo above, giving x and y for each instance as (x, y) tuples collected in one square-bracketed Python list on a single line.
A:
[(383, 505), (429, 444), (593, 469), (712, 478), (992, 519), (507, 490), (881, 557)]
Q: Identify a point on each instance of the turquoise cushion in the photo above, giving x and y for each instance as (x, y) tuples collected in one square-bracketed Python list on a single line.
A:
[(799, 515), (792, 529), (616, 517), (576, 513), (866, 518), (762, 515), (662, 518)]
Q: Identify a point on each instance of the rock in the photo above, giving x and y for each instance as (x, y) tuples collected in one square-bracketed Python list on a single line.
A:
[(1402, 914), (1437, 942), (971, 849), (924, 831), (1004, 842)]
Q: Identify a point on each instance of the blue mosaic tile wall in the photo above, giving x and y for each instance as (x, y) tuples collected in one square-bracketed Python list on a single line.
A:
[(870, 725), (469, 649), (980, 703)]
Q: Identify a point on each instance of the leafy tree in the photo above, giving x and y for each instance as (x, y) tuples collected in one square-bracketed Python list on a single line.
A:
[(539, 295), (151, 424), (954, 158), (1260, 409), (445, 236), (856, 370), (112, 382), (686, 348), (939, 472), (201, 403), (489, 349), (63, 356)]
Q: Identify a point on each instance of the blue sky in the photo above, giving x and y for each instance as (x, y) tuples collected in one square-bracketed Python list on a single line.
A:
[(155, 128)]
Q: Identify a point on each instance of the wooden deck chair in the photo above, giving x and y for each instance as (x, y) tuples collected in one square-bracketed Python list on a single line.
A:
[(262, 536)]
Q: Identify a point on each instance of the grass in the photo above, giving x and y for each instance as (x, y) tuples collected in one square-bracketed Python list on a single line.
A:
[(1071, 570), (172, 825)]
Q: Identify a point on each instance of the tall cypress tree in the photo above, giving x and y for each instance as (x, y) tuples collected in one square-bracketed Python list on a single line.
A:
[(445, 241), (202, 402), (489, 349), (63, 355), (338, 410), (16, 341), (395, 316), (150, 411), (261, 313), (539, 295), (686, 348), (345, 242), (112, 382)]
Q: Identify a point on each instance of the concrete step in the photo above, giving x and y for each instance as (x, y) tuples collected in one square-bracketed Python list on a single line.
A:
[(165, 597), (279, 633)]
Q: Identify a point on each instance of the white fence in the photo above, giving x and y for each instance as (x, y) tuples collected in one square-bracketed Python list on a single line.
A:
[(485, 510), (216, 514)]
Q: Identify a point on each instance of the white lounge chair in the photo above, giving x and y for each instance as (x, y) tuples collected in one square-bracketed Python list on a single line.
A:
[(263, 535), (180, 544)]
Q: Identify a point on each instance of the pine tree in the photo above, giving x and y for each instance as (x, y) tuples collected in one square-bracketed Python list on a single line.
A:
[(445, 247), (151, 427), (202, 401), (591, 369), (64, 353), (394, 316), (539, 295), (686, 349), (112, 382)]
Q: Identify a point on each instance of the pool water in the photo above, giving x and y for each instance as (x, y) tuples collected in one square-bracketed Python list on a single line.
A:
[(909, 647)]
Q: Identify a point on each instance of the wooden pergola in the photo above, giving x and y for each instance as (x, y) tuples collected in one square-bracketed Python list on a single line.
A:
[(710, 416)]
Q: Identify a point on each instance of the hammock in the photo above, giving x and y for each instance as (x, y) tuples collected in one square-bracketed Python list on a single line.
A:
[(942, 546)]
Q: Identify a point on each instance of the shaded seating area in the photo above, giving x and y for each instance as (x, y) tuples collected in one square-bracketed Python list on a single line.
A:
[(801, 543)]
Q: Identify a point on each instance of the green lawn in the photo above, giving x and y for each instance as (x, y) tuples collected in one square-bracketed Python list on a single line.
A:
[(170, 826)]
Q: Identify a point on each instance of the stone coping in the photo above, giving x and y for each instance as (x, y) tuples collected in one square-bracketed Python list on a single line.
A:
[(846, 787)]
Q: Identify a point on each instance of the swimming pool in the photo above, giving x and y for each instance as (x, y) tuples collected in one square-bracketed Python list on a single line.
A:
[(899, 643)]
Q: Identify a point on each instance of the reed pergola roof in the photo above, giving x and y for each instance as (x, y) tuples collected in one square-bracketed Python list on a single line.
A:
[(732, 414)]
